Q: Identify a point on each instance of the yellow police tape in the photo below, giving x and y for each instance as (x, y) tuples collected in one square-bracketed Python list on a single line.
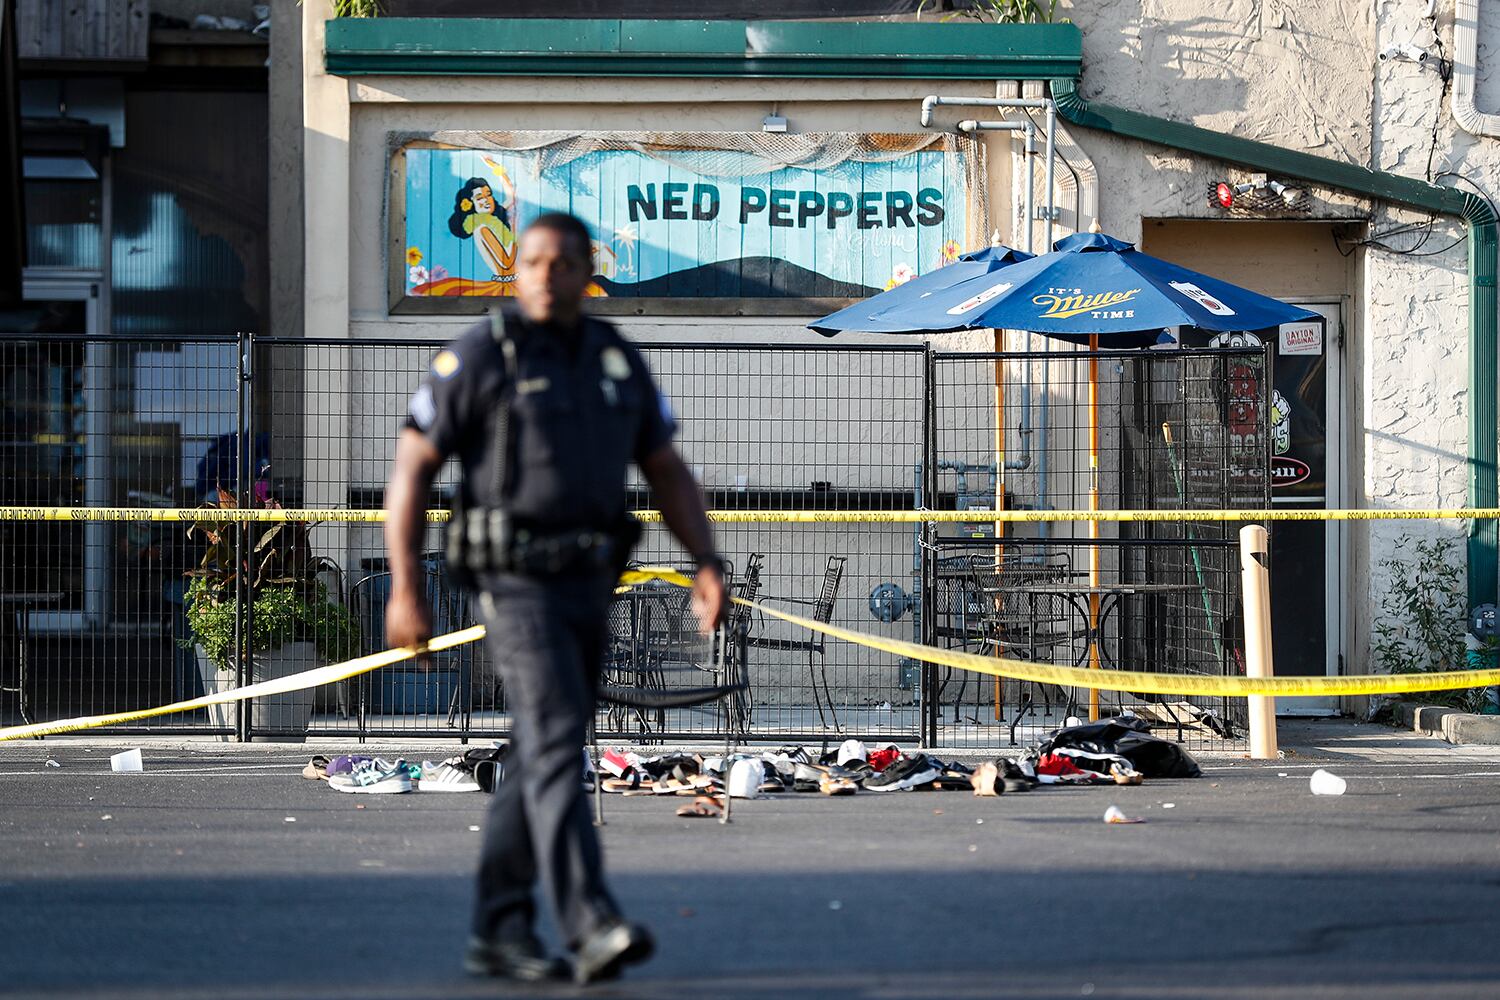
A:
[(1135, 682), (768, 516)]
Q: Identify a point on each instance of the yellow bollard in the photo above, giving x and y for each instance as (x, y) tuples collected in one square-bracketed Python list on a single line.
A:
[(1255, 593)]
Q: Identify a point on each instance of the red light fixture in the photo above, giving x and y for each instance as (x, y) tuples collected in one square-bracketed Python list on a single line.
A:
[(1225, 194)]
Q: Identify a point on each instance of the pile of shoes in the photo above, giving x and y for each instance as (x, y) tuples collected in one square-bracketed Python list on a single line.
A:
[(478, 769)]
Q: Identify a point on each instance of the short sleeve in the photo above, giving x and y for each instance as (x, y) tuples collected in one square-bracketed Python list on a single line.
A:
[(443, 406), (658, 422)]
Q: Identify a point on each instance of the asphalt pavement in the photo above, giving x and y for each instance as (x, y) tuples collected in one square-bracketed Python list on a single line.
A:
[(220, 871)]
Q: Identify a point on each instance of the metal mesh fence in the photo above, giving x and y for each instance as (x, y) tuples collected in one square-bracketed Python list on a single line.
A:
[(1167, 430), (103, 615)]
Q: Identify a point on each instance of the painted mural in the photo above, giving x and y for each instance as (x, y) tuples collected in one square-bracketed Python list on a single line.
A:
[(662, 230)]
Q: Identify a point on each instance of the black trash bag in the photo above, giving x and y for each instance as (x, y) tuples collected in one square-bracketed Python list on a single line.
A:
[(1131, 738)]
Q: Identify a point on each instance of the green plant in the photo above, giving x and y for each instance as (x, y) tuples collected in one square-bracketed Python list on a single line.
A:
[(354, 8), (1423, 617), (1001, 11), (288, 601)]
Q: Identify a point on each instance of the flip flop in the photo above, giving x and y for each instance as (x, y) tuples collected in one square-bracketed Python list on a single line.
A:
[(316, 769), (702, 807)]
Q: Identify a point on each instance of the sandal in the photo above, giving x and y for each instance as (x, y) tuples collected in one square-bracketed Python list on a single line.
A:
[(629, 784), (316, 769), (702, 807), (986, 780), (837, 786)]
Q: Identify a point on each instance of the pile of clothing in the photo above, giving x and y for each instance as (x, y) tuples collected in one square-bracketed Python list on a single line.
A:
[(475, 770)]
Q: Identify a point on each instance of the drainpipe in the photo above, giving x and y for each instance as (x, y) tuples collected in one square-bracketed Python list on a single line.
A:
[(1465, 60), (1482, 229), (970, 126)]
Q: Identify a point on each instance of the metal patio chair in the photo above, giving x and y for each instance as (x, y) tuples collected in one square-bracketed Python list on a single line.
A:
[(822, 612)]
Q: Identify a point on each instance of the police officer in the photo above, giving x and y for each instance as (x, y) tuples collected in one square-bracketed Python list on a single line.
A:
[(544, 408)]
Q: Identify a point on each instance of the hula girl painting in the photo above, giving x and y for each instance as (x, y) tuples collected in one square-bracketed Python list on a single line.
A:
[(488, 212), (478, 215)]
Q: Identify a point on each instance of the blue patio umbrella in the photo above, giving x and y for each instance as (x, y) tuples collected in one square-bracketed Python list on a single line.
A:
[(977, 264), (1091, 286)]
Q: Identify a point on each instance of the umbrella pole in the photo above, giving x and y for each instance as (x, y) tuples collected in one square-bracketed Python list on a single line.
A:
[(1000, 457), (1093, 525)]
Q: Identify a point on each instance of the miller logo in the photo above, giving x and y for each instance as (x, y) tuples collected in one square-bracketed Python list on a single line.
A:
[(1068, 306)]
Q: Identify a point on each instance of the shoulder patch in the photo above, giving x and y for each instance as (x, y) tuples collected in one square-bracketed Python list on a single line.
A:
[(615, 364), (423, 408), (446, 364)]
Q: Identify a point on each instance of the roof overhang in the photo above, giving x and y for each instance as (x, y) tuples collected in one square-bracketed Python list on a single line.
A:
[(865, 49)]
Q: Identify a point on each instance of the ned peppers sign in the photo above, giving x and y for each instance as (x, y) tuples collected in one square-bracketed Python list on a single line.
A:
[(678, 224)]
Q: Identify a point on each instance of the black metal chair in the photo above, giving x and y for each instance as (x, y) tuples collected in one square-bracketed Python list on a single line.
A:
[(450, 612), (822, 612)]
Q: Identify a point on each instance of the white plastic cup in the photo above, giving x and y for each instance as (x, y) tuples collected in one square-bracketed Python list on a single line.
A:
[(746, 777), (130, 760), (1327, 783)]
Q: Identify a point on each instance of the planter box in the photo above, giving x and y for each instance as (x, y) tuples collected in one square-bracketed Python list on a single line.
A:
[(285, 716)]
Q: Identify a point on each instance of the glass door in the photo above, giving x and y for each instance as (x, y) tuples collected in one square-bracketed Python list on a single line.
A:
[(53, 442), (1307, 474)]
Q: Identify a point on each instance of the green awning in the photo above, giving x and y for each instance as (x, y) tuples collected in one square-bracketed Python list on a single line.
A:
[(529, 47)]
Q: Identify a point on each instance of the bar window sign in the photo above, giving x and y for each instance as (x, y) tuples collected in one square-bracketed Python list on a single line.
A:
[(670, 220)]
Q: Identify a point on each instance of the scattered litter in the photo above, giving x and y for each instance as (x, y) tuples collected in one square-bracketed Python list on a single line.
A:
[(1169, 805), (106, 816), (52, 763), (1281, 774), (834, 904), (979, 822), (290, 819), (973, 848), (473, 829), (1327, 783), (129, 760), (359, 807), (1114, 815), (937, 812), (884, 706)]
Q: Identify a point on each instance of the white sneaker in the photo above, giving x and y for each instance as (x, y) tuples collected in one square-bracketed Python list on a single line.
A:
[(374, 777), (447, 777)]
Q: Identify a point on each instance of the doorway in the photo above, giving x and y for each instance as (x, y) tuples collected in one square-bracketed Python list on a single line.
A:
[(1307, 465), (56, 389)]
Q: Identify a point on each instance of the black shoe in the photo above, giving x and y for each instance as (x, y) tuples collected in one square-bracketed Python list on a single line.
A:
[(1016, 779), (519, 961), (613, 946), (907, 771)]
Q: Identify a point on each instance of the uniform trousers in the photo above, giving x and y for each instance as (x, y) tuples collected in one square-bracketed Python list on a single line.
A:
[(546, 638)]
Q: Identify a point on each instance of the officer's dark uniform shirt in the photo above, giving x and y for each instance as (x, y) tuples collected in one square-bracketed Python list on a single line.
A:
[(583, 406)]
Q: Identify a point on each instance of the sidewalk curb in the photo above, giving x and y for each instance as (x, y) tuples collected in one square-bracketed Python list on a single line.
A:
[(1460, 728)]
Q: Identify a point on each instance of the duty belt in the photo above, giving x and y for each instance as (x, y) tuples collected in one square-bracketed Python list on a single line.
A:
[(487, 539)]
